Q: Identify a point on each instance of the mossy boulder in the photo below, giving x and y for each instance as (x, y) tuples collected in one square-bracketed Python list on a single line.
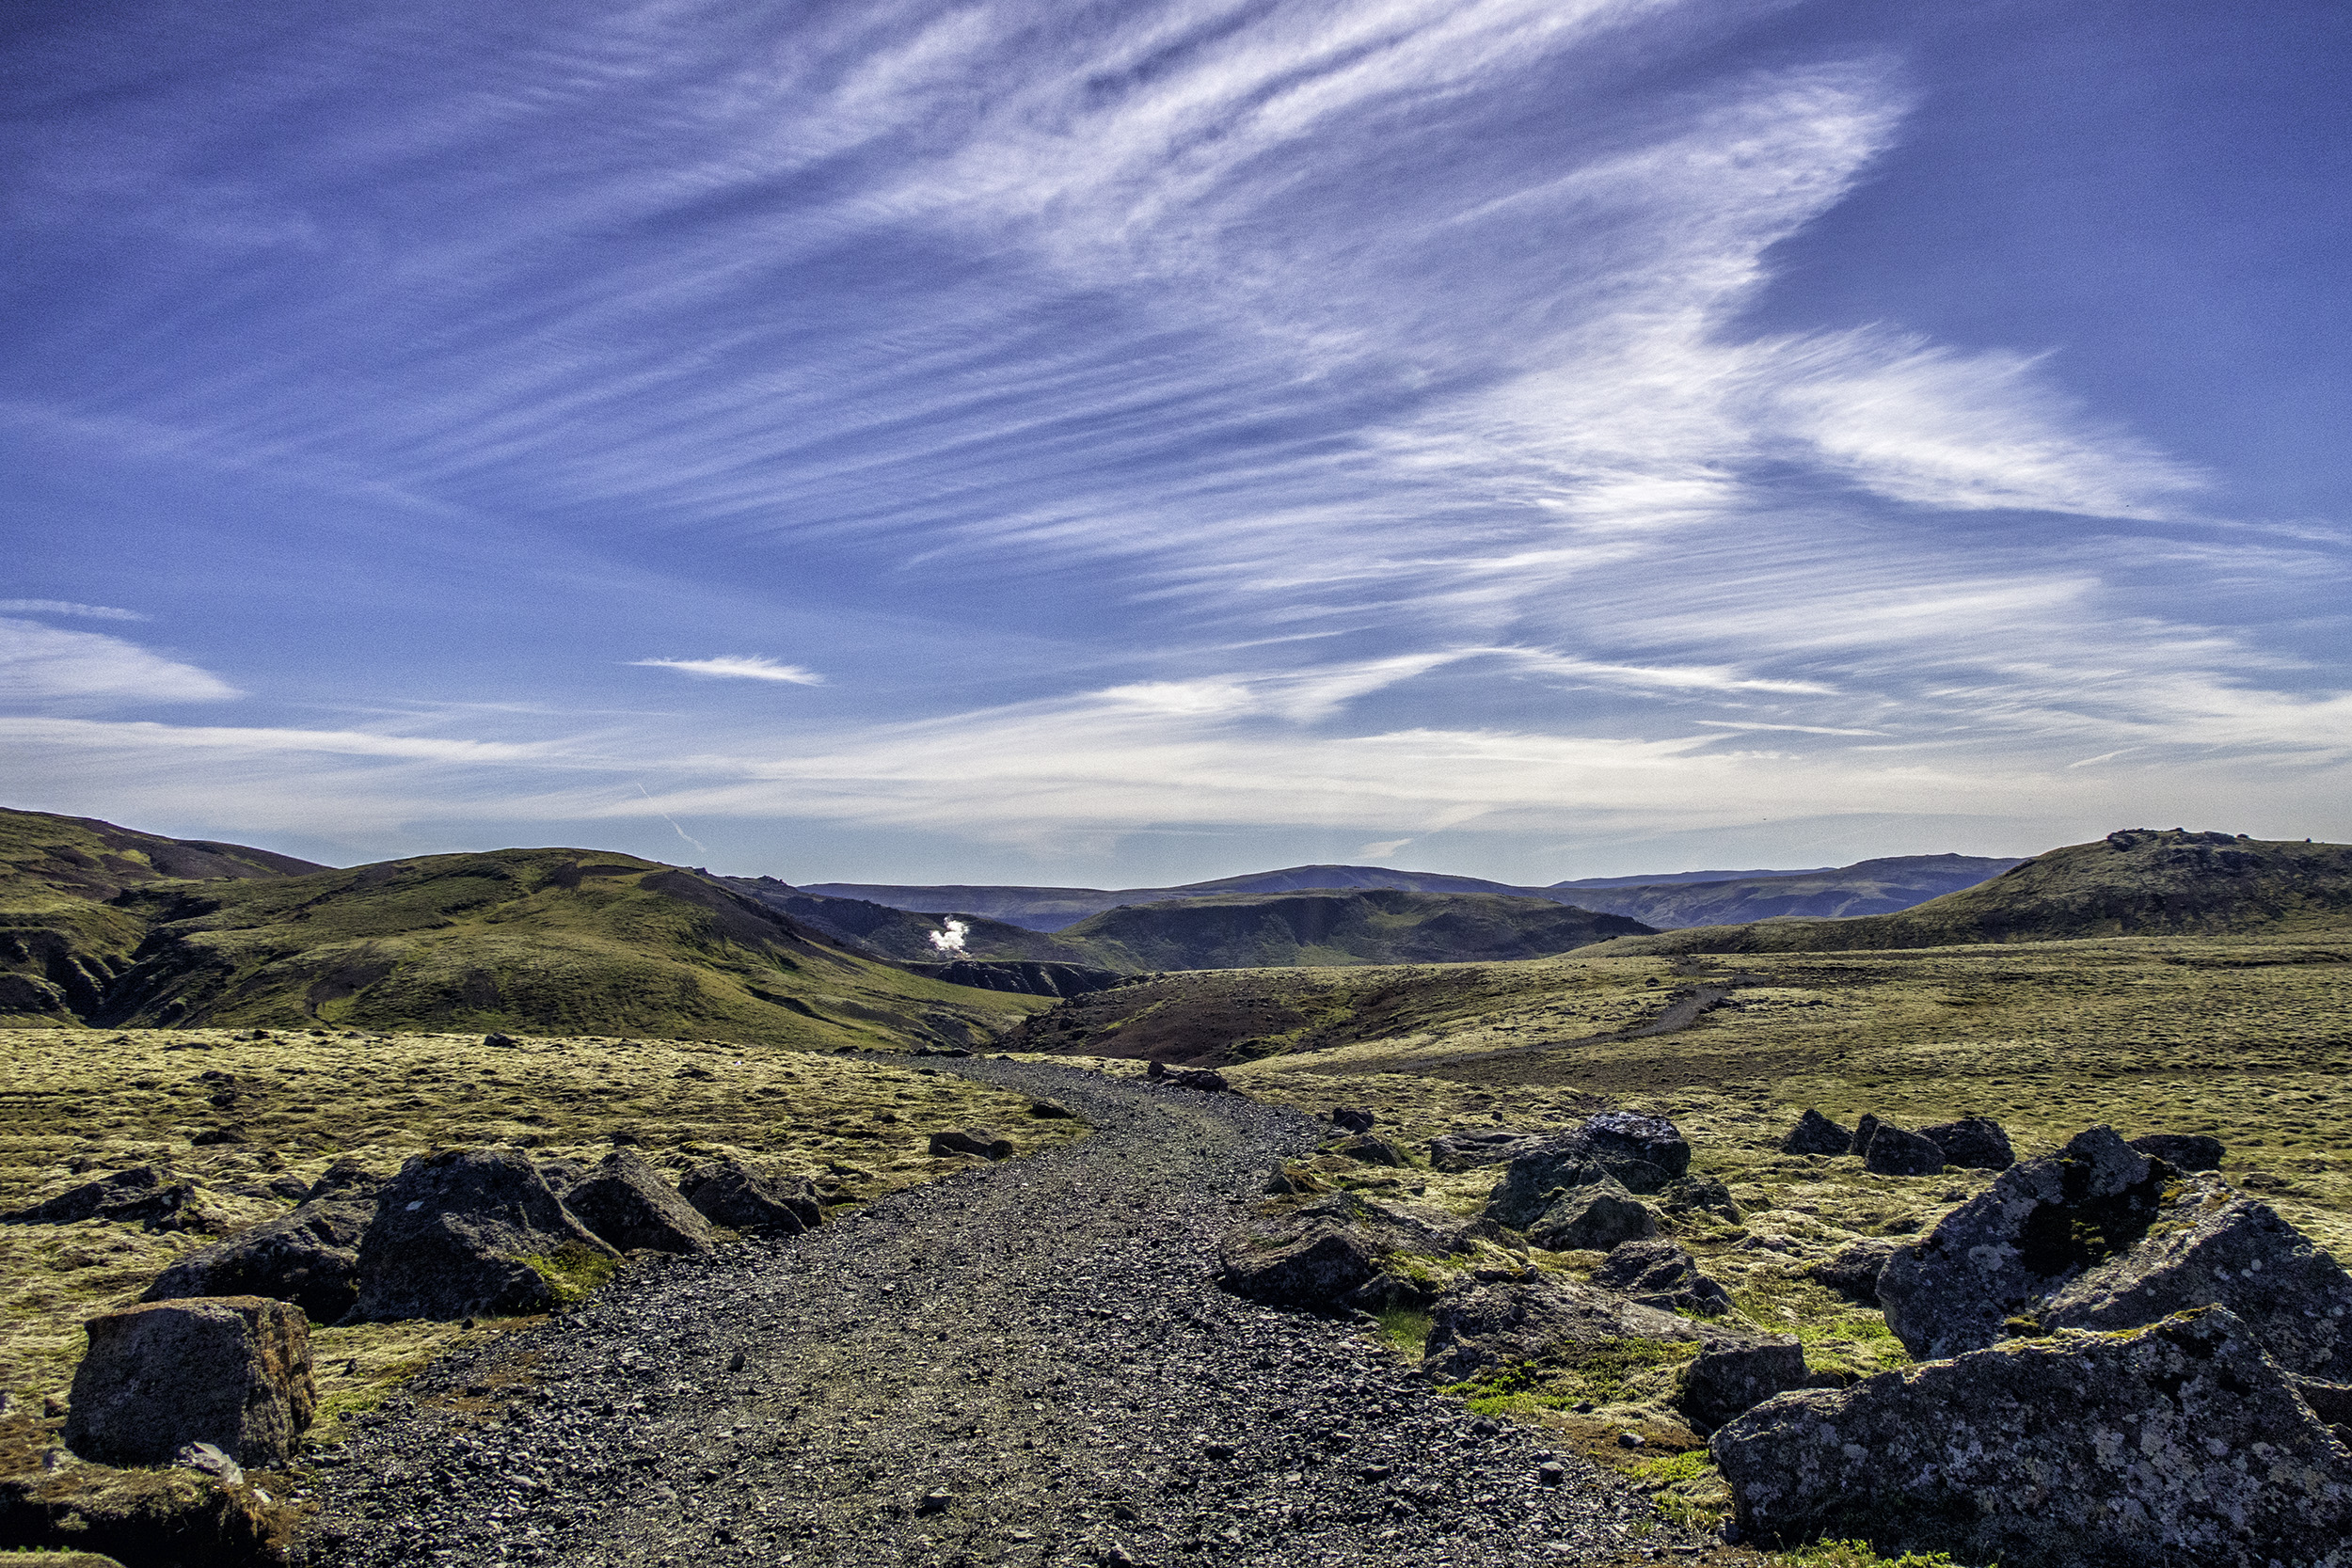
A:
[(467, 1233)]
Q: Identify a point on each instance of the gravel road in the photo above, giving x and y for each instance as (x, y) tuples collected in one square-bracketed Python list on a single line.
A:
[(1024, 1364)]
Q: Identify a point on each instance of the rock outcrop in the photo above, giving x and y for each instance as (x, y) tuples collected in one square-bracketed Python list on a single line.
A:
[(1732, 1376), (730, 1193), (979, 1142), (628, 1204), (1461, 1151), (233, 1371), (1594, 1218), (144, 1196), (467, 1233), (1688, 1197), (309, 1258), (1972, 1142), (2180, 1443), (1893, 1151), (1815, 1133), (1365, 1150), (1660, 1274), (1642, 1154), (1478, 1326), (2182, 1151), (1331, 1253), (1852, 1271), (2100, 1236)]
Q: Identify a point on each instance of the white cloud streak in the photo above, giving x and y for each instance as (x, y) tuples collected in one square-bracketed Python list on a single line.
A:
[(66, 607), (43, 664), (749, 667)]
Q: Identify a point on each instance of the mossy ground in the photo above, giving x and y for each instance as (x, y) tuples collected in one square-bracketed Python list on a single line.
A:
[(80, 1103)]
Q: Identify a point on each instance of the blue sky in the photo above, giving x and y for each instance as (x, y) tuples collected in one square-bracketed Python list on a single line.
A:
[(1129, 443)]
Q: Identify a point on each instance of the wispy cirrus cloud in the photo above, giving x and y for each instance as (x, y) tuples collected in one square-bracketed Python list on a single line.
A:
[(66, 607), (44, 664), (747, 667)]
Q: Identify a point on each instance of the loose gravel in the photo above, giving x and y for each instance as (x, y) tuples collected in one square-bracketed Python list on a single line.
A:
[(1026, 1363)]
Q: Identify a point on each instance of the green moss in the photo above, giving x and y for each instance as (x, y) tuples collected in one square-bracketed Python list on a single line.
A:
[(1406, 1328), (1598, 1374), (1857, 1554)]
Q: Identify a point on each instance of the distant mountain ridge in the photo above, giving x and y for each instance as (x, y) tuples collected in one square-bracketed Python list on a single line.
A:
[(1681, 898), (2139, 882)]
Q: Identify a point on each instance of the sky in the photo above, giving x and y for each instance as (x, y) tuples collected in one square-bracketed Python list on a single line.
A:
[(1129, 443)]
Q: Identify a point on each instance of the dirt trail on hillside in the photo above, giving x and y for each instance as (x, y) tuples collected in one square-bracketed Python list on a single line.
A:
[(1022, 1364)]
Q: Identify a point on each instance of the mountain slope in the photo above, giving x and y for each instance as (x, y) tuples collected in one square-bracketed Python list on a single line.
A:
[(1371, 925), (1050, 908), (60, 943), (904, 936), (551, 940), (1867, 887), (2141, 881)]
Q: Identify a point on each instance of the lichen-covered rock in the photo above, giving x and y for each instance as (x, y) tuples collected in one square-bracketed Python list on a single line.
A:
[(730, 1193), (1640, 1154), (309, 1258), (1730, 1377), (1815, 1133), (1893, 1151), (233, 1371), (1687, 1197), (625, 1201), (2208, 1246), (1660, 1274), (2182, 1151), (1330, 1253), (2100, 1236), (2004, 1251), (1479, 1326), (2180, 1443), (1461, 1151), (1617, 1136), (1594, 1217), (1972, 1142), (1539, 1178), (470, 1232), (1365, 1150)]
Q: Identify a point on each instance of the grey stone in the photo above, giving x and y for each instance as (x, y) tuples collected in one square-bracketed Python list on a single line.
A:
[(1864, 1131), (2183, 1151), (1348, 1120), (144, 1196), (1660, 1274), (625, 1201), (980, 1141), (1972, 1142), (309, 1258), (1852, 1271), (1731, 1377), (1896, 1153), (1624, 1135), (1479, 1326), (1327, 1253), (456, 1235), (232, 1371), (729, 1193), (2180, 1443), (1594, 1217), (1461, 1151), (1368, 1150), (1687, 1196), (1640, 1154), (1815, 1133)]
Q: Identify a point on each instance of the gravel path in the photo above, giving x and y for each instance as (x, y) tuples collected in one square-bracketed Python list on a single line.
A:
[(1022, 1364)]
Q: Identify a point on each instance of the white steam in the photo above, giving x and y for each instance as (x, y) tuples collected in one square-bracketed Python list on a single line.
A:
[(949, 943)]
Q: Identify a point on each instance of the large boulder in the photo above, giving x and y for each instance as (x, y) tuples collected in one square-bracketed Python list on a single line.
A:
[(309, 1258), (1660, 1274), (2178, 1443), (233, 1371), (1815, 1133), (2209, 1245), (1732, 1376), (1348, 1120), (1365, 1150), (1479, 1326), (1595, 1218), (465, 1233), (1327, 1254), (1852, 1271), (1972, 1142), (144, 1196), (728, 1192), (2099, 1235), (1640, 1154), (1893, 1151), (1687, 1197), (625, 1201), (2182, 1151)]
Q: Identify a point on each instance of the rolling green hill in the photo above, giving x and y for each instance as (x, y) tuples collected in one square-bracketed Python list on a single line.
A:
[(61, 945), (905, 936), (1371, 925), (2141, 881), (550, 940)]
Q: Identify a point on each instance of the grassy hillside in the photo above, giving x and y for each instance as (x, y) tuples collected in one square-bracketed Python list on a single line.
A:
[(903, 935), (1867, 887), (569, 940), (1366, 927), (1051, 909), (60, 945), (2138, 882)]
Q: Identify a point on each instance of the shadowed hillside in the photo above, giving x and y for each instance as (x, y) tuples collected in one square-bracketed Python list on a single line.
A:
[(2141, 881), (905, 936), (1373, 925), (554, 940), (60, 945), (1867, 887)]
